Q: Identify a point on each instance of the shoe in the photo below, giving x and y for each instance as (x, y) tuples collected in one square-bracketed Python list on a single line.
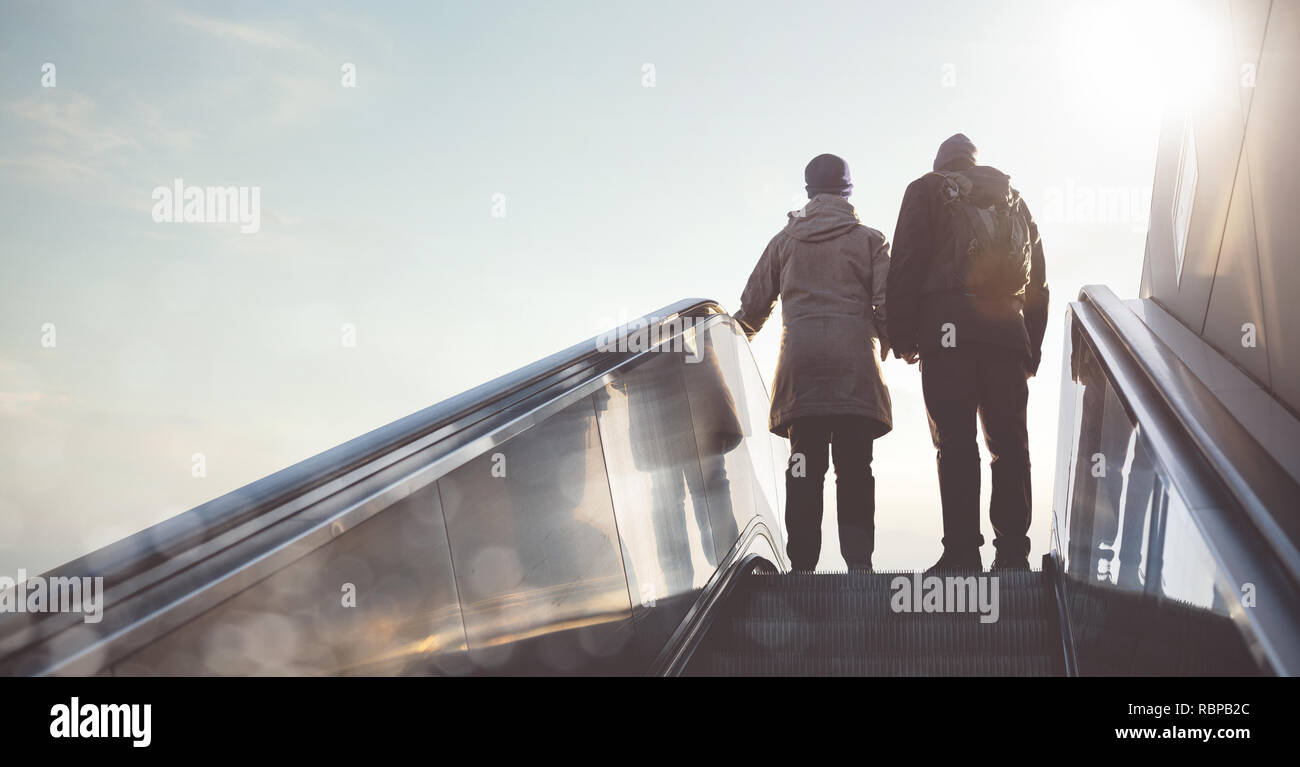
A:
[(860, 567), (955, 563), (1003, 563)]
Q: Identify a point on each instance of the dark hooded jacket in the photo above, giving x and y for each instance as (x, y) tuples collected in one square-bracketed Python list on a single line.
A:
[(921, 302), (830, 273)]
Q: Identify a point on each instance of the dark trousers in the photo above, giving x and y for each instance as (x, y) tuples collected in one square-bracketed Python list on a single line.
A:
[(989, 381), (855, 489)]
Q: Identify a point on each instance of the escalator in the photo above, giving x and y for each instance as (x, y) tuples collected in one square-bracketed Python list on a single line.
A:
[(616, 509), (1179, 560), (561, 519)]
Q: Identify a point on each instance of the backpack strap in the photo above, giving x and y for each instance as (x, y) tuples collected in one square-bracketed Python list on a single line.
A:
[(953, 186)]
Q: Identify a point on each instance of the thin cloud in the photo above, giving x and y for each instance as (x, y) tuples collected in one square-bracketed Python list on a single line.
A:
[(243, 33), (13, 403), (70, 123)]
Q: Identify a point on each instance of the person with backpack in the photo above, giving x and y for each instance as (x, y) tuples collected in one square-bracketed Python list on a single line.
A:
[(829, 393), (968, 298)]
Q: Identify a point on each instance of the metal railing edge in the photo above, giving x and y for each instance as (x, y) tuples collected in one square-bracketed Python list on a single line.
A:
[(1283, 657)]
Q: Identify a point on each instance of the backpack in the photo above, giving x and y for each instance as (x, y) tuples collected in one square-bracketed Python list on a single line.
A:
[(990, 232)]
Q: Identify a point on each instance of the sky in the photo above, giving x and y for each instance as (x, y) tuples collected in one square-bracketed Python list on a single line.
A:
[(503, 180)]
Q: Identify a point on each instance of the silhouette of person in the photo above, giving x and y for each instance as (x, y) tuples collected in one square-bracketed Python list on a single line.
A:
[(829, 392), (968, 299)]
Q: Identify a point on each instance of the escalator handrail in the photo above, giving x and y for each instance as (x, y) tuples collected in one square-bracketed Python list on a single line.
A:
[(139, 552), (744, 558), (1260, 486), (1162, 395)]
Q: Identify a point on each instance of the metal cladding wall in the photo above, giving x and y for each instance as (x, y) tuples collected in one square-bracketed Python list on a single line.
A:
[(1225, 196)]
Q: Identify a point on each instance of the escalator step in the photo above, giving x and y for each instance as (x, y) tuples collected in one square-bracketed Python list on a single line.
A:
[(827, 600), (853, 624), (789, 664), (882, 579), (935, 634)]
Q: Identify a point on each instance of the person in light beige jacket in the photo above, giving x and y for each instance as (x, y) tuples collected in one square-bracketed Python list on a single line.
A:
[(829, 393)]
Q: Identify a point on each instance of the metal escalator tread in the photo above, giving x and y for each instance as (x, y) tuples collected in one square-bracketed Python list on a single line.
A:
[(842, 624), (754, 664), (899, 637)]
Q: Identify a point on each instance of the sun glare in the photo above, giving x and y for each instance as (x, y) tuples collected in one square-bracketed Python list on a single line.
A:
[(1139, 56)]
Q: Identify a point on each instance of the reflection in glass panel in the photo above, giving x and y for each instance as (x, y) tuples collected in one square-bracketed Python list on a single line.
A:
[(1111, 484), (1123, 556), (668, 497), (1140, 578), (536, 552), (1067, 433), (780, 457), (654, 474), (1188, 566), (767, 450), (723, 431), (405, 618)]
